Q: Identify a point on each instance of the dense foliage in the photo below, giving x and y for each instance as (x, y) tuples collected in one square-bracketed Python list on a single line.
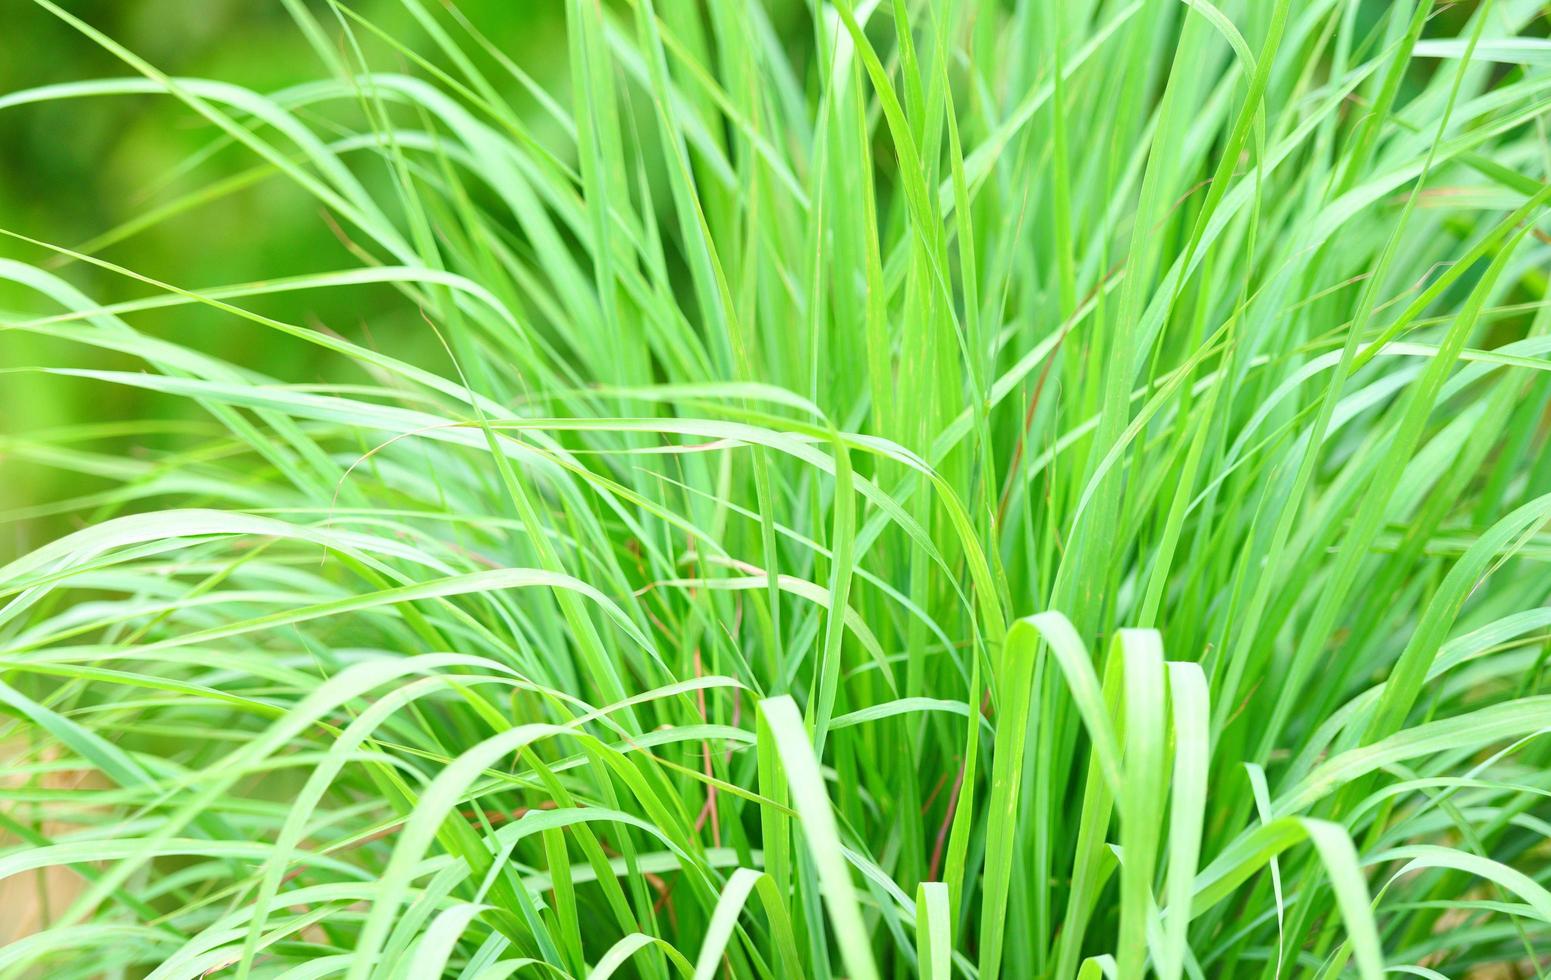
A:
[(995, 489)]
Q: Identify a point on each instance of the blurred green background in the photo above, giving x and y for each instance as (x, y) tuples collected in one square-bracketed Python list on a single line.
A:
[(72, 170)]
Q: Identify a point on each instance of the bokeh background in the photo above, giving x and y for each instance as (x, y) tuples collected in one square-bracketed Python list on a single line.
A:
[(82, 171)]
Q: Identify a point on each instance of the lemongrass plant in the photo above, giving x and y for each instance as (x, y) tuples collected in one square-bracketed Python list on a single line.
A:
[(979, 488)]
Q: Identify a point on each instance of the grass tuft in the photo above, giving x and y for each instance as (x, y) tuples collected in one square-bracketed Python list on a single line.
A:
[(948, 489)]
